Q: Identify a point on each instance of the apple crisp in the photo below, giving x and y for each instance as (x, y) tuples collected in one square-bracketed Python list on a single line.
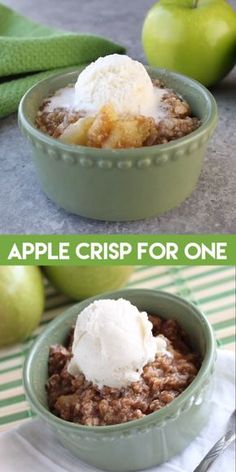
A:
[(74, 399), (107, 129)]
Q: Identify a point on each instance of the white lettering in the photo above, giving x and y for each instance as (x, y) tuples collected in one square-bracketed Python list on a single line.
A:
[(201, 251)]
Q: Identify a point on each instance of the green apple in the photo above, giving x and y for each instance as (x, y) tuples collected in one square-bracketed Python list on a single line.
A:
[(81, 282), (21, 302), (194, 37)]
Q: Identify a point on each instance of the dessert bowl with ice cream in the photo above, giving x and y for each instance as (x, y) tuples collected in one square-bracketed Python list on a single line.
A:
[(124, 379), (117, 129)]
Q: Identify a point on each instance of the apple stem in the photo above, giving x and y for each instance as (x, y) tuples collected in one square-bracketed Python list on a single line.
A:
[(195, 3)]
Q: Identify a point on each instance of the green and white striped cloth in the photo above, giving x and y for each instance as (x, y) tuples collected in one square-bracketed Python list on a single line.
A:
[(211, 288)]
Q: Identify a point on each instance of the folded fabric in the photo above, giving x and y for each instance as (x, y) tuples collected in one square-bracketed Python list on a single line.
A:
[(30, 52), (34, 447)]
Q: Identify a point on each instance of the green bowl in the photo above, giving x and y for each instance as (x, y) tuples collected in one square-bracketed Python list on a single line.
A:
[(119, 185), (148, 441)]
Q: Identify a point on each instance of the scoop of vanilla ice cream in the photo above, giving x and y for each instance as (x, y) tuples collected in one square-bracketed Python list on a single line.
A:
[(113, 341), (121, 81)]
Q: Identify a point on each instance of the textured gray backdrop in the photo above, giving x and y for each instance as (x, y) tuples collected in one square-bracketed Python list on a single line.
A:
[(23, 206)]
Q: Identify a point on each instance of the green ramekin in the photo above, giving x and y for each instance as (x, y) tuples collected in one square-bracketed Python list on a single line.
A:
[(119, 185), (150, 440)]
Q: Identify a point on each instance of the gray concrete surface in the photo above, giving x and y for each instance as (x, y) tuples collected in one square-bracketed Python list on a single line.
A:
[(23, 206)]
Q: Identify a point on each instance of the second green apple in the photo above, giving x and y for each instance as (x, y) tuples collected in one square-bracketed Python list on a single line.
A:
[(79, 282)]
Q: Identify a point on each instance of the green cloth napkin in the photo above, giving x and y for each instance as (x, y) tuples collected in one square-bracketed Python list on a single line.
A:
[(30, 52)]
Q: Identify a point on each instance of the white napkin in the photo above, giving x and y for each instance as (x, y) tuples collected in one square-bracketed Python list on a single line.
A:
[(32, 447)]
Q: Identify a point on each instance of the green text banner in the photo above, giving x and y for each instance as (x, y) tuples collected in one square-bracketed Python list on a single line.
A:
[(118, 249)]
